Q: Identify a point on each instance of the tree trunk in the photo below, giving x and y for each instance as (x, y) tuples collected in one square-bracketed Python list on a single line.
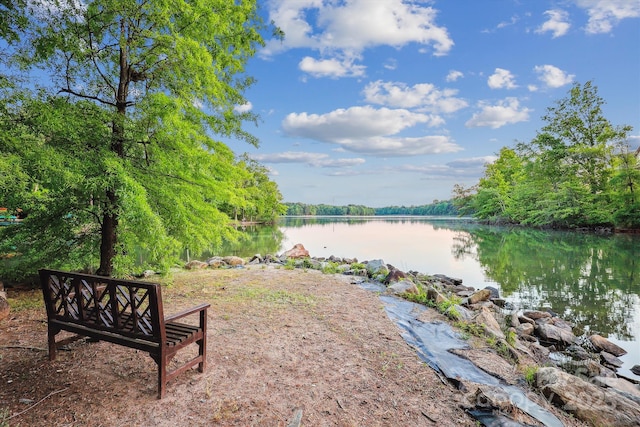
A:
[(108, 238), (109, 229)]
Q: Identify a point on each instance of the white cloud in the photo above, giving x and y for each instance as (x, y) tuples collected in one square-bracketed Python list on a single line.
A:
[(553, 76), (244, 108), (369, 130), (353, 26), (331, 67), (313, 159), (454, 75), (399, 146), (604, 14), (507, 111), (354, 122), (423, 96), (557, 23), (502, 79), (634, 141), (472, 167)]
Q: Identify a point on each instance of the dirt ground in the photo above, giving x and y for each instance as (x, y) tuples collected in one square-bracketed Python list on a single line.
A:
[(280, 343)]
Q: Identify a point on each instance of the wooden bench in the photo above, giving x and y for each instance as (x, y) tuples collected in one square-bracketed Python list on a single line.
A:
[(124, 312)]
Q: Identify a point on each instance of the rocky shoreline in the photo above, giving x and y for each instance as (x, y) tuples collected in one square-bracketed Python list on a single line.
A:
[(576, 373)]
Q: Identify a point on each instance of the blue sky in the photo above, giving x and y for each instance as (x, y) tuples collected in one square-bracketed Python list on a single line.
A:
[(392, 102)]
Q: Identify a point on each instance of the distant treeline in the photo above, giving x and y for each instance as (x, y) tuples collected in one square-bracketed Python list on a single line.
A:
[(436, 208)]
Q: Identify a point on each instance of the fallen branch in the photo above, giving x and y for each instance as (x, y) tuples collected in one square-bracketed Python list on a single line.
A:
[(35, 404)]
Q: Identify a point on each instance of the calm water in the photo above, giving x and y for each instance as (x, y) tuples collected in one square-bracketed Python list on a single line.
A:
[(590, 280)]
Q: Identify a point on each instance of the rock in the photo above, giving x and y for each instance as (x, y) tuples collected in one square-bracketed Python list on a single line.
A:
[(215, 262), (584, 369), (586, 401), (525, 329), (610, 359), (196, 265), (603, 344), (636, 369), (535, 314), (485, 318), (627, 388), (550, 335), (448, 280), (4, 309), (464, 313), (495, 293), (394, 276), (500, 302), (560, 323), (256, 259), (514, 320), (481, 295), (403, 287), (377, 267), (577, 352), (298, 251), (525, 319), (435, 296)]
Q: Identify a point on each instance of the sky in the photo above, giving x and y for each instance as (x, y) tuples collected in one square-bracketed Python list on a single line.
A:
[(392, 102)]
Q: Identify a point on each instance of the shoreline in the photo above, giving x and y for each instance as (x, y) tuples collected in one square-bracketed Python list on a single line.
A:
[(519, 339)]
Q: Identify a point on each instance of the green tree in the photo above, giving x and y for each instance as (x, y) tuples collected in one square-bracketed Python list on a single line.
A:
[(155, 80)]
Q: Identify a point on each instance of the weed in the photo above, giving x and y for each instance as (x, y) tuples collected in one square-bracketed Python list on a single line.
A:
[(511, 337), (470, 329), (530, 373), (331, 268)]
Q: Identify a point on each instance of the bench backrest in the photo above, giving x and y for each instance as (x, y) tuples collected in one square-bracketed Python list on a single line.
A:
[(124, 307)]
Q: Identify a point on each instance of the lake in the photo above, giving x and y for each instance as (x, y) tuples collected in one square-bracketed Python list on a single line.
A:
[(590, 280)]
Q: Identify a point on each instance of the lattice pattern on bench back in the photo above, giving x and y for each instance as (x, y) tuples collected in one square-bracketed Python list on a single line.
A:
[(130, 308)]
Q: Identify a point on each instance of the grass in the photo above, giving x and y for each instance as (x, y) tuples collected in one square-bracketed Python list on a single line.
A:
[(26, 301), (530, 373)]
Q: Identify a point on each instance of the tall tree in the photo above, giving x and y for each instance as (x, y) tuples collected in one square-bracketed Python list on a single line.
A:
[(159, 77)]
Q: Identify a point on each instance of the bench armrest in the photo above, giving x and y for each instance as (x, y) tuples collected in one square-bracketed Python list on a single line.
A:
[(187, 312)]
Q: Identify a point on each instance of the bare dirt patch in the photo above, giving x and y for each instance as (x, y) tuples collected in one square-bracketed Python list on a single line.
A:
[(280, 342)]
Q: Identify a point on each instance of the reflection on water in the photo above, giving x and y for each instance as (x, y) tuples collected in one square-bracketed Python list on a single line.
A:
[(590, 280)]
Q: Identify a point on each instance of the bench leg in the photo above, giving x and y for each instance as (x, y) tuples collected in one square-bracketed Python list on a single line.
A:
[(162, 376), (51, 335)]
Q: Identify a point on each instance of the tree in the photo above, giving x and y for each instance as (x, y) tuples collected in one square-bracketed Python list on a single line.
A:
[(156, 80)]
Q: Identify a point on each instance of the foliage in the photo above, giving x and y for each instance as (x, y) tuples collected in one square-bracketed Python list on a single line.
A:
[(445, 207), (530, 372), (577, 172), (112, 158)]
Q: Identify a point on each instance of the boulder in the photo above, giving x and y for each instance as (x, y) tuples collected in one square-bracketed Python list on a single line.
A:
[(196, 265), (495, 293), (603, 344), (479, 296), (256, 259), (636, 369), (298, 251), (535, 314), (588, 402), (394, 276), (215, 262), (486, 318), (625, 387), (233, 261), (434, 295), (550, 335), (377, 267), (403, 287), (525, 329), (610, 359)]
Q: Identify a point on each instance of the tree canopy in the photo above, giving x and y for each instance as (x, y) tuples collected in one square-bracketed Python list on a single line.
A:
[(579, 171), (111, 151)]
